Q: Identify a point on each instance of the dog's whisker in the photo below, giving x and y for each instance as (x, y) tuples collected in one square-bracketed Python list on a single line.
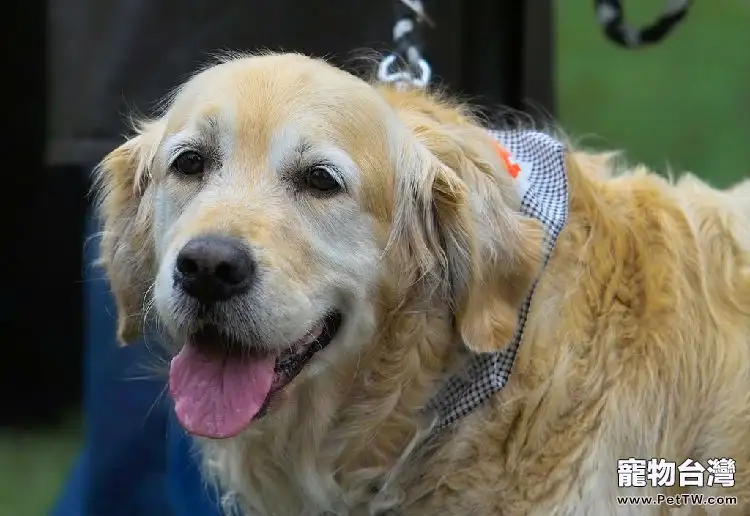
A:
[(157, 400)]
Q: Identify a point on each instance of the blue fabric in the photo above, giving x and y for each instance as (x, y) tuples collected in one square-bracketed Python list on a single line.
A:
[(123, 467), (187, 491), (70, 502)]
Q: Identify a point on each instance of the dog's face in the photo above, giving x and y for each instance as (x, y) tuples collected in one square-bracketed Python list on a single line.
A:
[(255, 214)]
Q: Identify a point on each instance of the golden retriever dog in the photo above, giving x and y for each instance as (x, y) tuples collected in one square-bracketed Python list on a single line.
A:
[(323, 253)]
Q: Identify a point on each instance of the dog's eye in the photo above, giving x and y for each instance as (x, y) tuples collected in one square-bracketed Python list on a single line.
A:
[(189, 163), (319, 178)]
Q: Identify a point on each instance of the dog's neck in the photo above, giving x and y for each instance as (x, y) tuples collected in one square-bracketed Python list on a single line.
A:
[(409, 356)]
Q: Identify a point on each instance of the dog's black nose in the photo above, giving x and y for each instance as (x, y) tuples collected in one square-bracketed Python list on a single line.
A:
[(214, 268)]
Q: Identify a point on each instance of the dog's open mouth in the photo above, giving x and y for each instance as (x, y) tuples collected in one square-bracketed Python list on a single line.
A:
[(219, 386)]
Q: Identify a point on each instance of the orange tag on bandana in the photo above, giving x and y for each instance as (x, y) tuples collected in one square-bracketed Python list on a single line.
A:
[(511, 166)]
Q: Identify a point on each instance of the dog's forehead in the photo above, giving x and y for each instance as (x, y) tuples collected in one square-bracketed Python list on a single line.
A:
[(256, 97)]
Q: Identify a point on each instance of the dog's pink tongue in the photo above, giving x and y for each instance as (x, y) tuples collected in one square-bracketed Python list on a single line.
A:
[(217, 397)]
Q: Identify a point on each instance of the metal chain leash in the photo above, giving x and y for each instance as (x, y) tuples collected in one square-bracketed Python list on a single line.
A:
[(406, 65), (609, 13)]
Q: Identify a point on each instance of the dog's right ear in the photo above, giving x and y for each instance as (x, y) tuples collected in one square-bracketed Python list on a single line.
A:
[(125, 205)]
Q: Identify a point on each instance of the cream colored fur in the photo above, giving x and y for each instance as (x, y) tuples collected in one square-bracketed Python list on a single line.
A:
[(637, 343)]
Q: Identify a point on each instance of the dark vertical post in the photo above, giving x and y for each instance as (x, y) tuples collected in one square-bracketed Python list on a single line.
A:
[(538, 74), (40, 297), (495, 52)]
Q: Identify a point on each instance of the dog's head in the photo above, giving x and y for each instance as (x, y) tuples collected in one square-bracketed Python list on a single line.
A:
[(263, 210)]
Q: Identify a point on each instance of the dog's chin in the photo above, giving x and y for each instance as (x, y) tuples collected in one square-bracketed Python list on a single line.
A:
[(221, 385)]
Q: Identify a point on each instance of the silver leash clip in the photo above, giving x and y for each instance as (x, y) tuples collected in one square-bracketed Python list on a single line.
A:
[(414, 70), (388, 73)]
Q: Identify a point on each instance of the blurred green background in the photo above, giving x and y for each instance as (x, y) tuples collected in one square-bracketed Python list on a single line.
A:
[(683, 103)]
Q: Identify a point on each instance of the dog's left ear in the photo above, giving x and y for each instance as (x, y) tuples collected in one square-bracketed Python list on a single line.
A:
[(454, 216), (432, 230), (487, 312)]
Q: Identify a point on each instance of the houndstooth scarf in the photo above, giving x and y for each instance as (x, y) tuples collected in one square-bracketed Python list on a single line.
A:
[(538, 163)]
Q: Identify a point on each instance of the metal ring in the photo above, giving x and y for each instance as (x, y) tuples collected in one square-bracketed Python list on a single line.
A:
[(420, 81), (424, 75)]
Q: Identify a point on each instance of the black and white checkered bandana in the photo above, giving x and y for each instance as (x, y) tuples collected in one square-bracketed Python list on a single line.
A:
[(542, 185)]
